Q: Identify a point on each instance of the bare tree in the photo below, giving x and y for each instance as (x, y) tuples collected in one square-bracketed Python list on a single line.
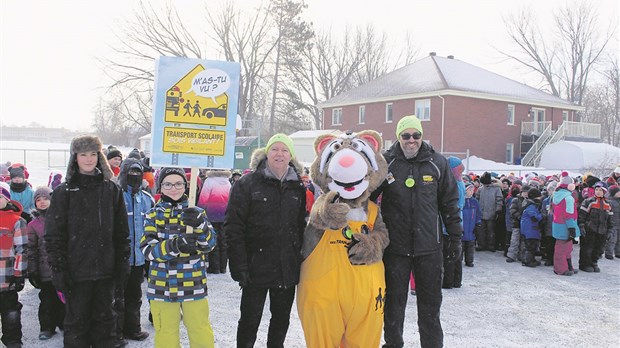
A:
[(324, 70), (109, 124), (602, 103), (149, 34), (145, 38), (566, 60), (244, 39)]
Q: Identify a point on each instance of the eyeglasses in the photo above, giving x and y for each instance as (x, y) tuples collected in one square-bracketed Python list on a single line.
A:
[(177, 185), (407, 136)]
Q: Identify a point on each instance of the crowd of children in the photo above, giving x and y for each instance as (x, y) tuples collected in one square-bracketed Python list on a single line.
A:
[(531, 220), (543, 217)]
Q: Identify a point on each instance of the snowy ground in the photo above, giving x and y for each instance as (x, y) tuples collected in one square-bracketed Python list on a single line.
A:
[(499, 305)]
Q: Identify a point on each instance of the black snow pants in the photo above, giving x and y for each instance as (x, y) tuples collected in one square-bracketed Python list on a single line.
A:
[(127, 303), (427, 271), (252, 303), (51, 309), (90, 320), (10, 313)]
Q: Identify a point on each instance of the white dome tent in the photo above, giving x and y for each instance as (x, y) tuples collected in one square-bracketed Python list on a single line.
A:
[(580, 156)]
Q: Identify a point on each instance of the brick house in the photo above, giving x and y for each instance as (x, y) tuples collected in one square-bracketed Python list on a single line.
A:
[(461, 106)]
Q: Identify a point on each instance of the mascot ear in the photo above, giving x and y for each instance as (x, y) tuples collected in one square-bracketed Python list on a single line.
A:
[(321, 142), (372, 138)]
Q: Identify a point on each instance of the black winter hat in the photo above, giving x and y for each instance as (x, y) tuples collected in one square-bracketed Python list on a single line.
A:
[(485, 179), (128, 165), (16, 172), (534, 193), (114, 153), (164, 172), (135, 153)]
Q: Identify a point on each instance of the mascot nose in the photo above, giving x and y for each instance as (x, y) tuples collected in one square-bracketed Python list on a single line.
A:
[(346, 161)]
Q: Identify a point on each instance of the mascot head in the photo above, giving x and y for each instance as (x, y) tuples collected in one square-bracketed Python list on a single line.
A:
[(350, 164)]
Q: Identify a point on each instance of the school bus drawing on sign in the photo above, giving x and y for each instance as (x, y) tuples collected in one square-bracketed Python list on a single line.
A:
[(183, 105)]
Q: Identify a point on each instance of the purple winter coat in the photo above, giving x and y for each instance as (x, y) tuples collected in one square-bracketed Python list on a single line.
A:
[(37, 253)]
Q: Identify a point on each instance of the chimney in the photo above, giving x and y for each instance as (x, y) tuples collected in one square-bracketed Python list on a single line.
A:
[(432, 54), (450, 57)]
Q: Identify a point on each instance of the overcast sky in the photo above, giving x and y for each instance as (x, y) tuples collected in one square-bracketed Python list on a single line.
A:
[(50, 73)]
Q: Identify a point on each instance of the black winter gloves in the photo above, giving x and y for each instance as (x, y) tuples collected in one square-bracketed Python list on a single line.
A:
[(35, 280), (452, 248), (582, 230), (193, 216), (187, 243), (17, 282), (61, 281), (243, 278), (572, 232)]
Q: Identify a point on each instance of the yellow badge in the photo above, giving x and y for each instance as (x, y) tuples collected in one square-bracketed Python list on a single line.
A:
[(427, 178)]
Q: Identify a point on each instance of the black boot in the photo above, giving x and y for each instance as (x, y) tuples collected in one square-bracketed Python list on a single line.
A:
[(214, 261), (595, 267), (12, 328), (570, 266)]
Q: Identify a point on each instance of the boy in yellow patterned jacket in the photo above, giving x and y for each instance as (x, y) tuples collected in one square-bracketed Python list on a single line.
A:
[(177, 276)]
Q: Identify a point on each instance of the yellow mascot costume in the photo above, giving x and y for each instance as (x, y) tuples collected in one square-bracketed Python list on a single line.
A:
[(341, 291)]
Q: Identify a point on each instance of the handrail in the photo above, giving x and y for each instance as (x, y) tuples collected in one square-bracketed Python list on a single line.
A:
[(582, 129), (558, 135), (537, 146), (532, 127)]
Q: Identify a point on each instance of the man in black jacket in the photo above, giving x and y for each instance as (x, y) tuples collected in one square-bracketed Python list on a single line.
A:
[(419, 194), (86, 235), (264, 224)]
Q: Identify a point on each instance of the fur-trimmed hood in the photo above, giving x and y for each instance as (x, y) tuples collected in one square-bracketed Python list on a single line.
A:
[(218, 173), (259, 157), (87, 143)]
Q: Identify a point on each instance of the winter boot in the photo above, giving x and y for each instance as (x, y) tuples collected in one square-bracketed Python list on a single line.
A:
[(570, 266), (595, 268), (587, 269), (214, 261)]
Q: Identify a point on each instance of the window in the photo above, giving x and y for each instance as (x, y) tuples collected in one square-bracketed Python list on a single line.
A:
[(511, 115), (509, 153), (387, 144), (564, 115), (362, 114), (336, 117), (388, 112), (423, 109)]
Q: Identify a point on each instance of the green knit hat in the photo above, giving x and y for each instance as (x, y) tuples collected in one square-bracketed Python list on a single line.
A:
[(282, 138), (407, 122)]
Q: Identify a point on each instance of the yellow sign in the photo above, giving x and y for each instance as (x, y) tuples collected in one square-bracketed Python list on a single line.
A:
[(195, 141), (194, 98)]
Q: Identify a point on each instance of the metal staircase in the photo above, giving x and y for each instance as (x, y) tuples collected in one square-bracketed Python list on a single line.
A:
[(535, 151)]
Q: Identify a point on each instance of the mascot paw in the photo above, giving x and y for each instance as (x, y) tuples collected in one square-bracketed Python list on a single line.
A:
[(363, 250), (327, 213)]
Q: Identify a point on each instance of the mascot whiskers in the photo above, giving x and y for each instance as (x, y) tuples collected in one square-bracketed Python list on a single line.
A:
[(341, 291)]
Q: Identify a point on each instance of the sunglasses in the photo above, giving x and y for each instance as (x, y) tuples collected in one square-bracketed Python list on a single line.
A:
[(407, 136)]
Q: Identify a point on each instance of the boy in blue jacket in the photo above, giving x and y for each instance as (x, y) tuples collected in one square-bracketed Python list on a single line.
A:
[(530, 227), (128, 296)]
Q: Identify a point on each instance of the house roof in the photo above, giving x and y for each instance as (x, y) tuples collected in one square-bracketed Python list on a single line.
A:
[(435, 75)]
